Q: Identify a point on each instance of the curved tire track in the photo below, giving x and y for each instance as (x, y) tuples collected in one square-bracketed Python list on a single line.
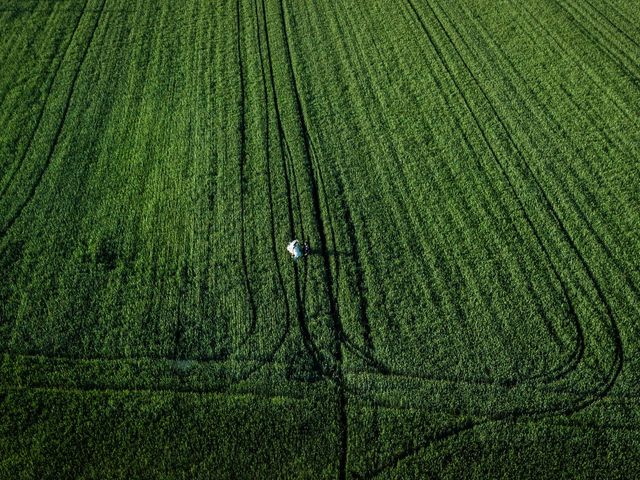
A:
[(19, 164), (520, 413), (31, 192), (311, 348)]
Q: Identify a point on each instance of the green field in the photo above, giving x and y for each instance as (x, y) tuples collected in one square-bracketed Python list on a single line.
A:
[(466, 173)]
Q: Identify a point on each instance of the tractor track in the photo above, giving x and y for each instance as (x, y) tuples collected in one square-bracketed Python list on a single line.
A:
[(602, 46), (309, 345), (407, 209), (614, 330), (528, 219), (203, 359), (274, 247), (351, 233), (128, 390), (19, 164), (393, 461), (313, 172), (519, 414), (242, 180), (268, 359), (355, 256), (604, 32), (556, 126), (550, 375), (401, 209), (567, 52), (614, 25), (122, 358), (32, 191), (67, 10), (14, 167), (325, 224), (621, 16)]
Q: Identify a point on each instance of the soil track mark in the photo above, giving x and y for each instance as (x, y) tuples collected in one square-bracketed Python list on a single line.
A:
[(572, 313), (368, 350), (614, 53), (556, 126), (56, 137), (183, 391), (567, 52), (274, 246), (550, 375), (395, 460), (614, 330), (614, 25), (313, 173), (519, 414), (310, 346), (44, 105), (242, 160)]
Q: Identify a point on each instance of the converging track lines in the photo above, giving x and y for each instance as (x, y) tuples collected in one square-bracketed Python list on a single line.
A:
[(601, 390), (54, 143), (43, 106), (464, 178), (312, 171)]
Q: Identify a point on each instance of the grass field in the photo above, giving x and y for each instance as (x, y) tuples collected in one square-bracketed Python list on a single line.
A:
[(466, 173)]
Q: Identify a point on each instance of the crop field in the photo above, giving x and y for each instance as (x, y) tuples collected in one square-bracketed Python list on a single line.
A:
[(466, 173)]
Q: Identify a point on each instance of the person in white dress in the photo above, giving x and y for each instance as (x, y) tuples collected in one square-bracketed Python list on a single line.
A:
[(295, 249)]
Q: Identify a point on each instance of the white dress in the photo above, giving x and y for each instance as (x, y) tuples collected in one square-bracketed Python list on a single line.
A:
[(294, 249)]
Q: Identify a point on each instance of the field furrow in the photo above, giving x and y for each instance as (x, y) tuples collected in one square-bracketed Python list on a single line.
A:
[(463, 172)]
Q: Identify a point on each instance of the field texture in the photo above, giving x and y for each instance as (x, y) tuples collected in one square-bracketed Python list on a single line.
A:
[(466, 173)]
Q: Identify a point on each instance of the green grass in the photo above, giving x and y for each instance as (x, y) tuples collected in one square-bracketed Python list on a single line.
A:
[(465, 172)]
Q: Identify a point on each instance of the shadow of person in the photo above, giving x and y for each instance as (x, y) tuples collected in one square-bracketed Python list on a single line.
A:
[(329, 252)]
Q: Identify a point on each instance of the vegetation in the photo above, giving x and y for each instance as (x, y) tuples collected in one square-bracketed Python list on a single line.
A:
[(465, 172)]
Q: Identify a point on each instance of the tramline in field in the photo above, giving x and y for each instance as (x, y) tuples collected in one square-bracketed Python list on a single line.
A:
[(467, 172)]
